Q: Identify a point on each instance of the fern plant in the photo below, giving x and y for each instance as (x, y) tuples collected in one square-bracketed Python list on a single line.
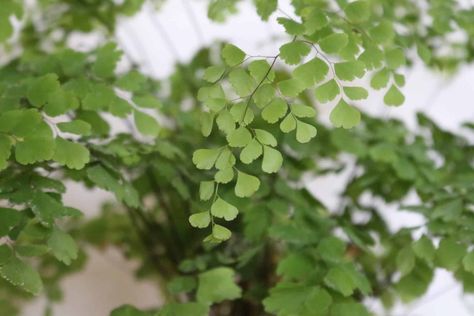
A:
[(209, 178)]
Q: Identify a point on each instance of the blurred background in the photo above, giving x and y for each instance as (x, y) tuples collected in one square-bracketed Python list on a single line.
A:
[(157, 40)]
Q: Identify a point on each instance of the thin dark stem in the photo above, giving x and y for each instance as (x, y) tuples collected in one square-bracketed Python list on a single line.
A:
[(258, 86)]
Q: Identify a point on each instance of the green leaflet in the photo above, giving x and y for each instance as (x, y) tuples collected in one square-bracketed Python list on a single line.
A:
[(132, 81), (372, 57), (146, 124), (34, 149), (22, 275), (295, 266), (265, 138), (9, 8), (220, 233), (147, 101), (213, 97), (60, 102), (225, 121), (424, 249), (405, 260), (291, 87), (63, 247), (8, 219), (275, 110), (344, 278), (239, 137), (100, 98), (305, 132), (312, 72), (289, 299), (223, 209), (73, 155), (265, 8), (395, 58), (468, 262), (232, 55), (315, 20), (242, 114), (302, 111), (206, 189), (6, 254), (357, 11), (450, 254), (242, 82), (224, 175), (260, 70), (213, 73), (288, 124), (272, 160), (349, 309), (77, 127), (205, 158), (252, 151), (394, 96), (332, 249), (292, 53), (349, 70), (344, 115), (380, 79), (327, 91), (217, 285), (334, 43), (41, 88), (207, 122), (5, 150), (226, 159), (264, 95), (106, 61), (291, 26), (104, 179), (200, 220), (246, 184), (356, 93), (383, 32)]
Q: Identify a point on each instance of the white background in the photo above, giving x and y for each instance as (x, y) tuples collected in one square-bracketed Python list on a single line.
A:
[(175, 33)]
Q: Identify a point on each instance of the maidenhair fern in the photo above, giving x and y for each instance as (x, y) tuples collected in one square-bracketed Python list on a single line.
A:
[(208, 177)]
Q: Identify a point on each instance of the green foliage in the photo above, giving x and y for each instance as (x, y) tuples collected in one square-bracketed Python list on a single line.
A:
[(211, 198), (217, 285)]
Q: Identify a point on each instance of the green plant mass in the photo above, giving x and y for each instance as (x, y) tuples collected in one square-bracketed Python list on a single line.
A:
[(209, 177)]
